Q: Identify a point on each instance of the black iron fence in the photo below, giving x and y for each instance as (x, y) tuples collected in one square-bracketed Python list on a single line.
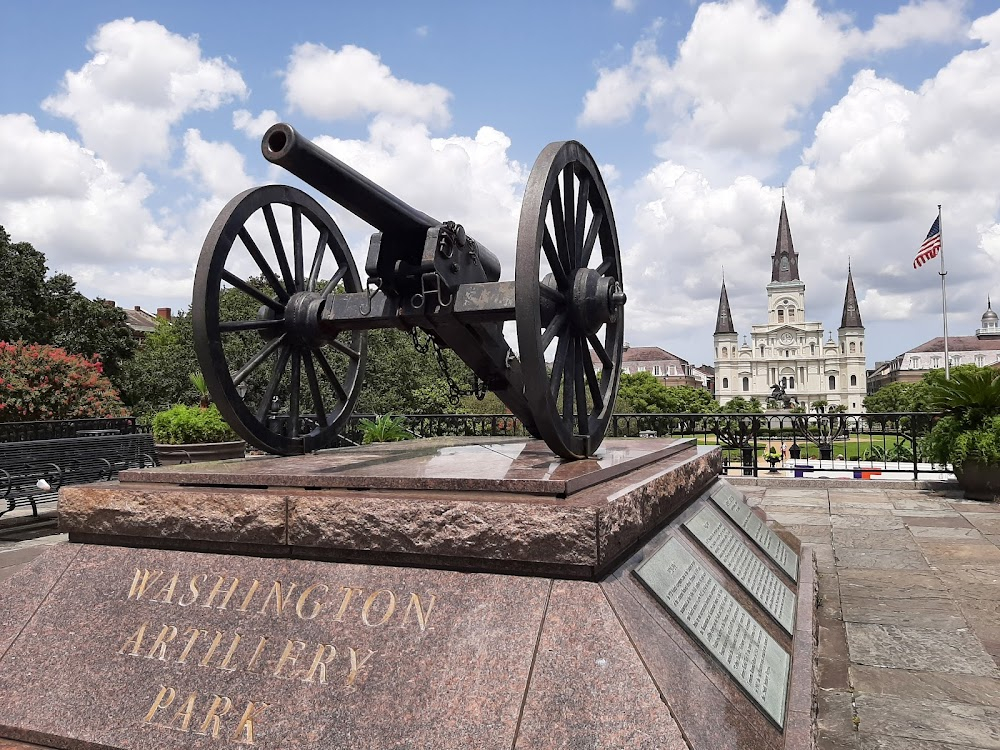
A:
[(13, 432), (802, 445)]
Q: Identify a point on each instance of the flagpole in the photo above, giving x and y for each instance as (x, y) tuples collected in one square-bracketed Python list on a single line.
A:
[(944, 300)]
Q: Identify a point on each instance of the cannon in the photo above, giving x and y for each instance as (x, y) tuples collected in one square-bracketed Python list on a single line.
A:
[(280, 313)]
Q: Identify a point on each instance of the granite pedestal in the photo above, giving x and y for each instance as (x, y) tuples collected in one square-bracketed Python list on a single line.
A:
[(436, 594)]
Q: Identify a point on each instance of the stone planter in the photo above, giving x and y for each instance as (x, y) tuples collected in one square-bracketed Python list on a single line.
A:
[(980, 481), (190, 453)]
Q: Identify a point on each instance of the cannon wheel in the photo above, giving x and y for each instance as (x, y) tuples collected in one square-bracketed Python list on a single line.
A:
[(569, 300), (281, 356)]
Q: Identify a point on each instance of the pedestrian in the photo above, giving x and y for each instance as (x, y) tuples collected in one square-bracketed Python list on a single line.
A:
[(784, 450)]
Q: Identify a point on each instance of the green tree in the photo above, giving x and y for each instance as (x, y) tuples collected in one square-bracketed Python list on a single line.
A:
[(894, 397), (739, 405), (22, 269), (641, 393)]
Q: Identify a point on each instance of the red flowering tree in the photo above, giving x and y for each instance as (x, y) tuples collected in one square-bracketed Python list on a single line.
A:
[(39, 382)]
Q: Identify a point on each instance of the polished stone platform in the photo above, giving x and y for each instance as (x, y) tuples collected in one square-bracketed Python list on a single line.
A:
[(507, 506), (539, 610)]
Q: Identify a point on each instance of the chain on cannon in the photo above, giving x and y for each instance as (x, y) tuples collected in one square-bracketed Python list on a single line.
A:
[(281, 315)]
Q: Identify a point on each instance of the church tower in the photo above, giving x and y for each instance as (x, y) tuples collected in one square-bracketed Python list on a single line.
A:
[(851, 337), (726, 340), (786, 294)]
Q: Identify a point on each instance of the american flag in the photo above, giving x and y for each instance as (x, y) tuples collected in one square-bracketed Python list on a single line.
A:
[(932, 245)]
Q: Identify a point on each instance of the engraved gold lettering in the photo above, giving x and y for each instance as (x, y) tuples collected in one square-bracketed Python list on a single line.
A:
[(229, 654), (256, 654), (193, 587), (211, 650), (356, 665), (316, 605), (167, 634), (141, 580), (388, 610), (163, 699), (320, 664), (244, 730), (166, 595), (135, 639), (195, 632), (217, 588), (286, 657), (279, 600), (220, 707), (347, 600), (246, 600), (184, 714), (422, 616)]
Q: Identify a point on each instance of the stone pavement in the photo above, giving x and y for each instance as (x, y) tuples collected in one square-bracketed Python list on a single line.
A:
[(909, 614), (909, 611)]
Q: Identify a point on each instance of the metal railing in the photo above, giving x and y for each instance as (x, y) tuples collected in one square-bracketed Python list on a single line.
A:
[(15, 432)]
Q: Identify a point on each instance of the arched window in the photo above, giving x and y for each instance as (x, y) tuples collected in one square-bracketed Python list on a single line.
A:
[(812, 348), (791, 382), (833, 383), (841, 347), (791, 314), (746, 384), (862, 345), (781, 316), (725, 352), (725, 382), (762, 350), (853, 348), (854, 379), (784, 382)]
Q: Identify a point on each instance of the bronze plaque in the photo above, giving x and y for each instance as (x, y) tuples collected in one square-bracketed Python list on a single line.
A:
[(732, 503), (728, 548), (712, 616)]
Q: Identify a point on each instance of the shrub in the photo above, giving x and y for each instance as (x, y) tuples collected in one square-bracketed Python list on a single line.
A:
[(191, 424), (384, 429), (40, 382), (970, 429)]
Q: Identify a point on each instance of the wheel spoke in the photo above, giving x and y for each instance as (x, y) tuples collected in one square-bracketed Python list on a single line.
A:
[(279, 248), (595, 385), (602, 353), (553, 294), (568, 214), (606, 266), (249, 325), (583, 200), (324, 237), (295, 381), (592, 234), (582, 412), (262, 264), (317, 395), (257, 359), (253, 291), (557, 366), (559, 225), (567, 385), (555, 328), (332, 283), (272, 384), (345, 349), (330, 375), (298, 259), (555, 262)]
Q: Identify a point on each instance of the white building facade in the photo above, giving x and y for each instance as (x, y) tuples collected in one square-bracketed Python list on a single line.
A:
[(789, 350)]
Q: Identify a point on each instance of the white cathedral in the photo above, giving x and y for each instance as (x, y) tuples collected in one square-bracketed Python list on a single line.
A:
[(788, 350)]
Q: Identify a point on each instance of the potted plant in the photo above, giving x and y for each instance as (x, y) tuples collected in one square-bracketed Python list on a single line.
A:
[(186, 434), (383, 429), (772, 457), (968, 435)]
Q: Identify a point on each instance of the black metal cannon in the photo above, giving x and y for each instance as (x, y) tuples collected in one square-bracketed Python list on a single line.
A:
[(303, 349)]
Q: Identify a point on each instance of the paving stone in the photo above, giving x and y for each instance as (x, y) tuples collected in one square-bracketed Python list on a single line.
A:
[(910, 612), (884, 559), (883, 509), (926, 513), (946, 532), (872, 523), (803, 519), (959, 553), (892, 584), (806, 501), (930, 721), (956, 652), (988, 523), (811, 534), (918, 504), (826, 740), (947, 521), (922, 685), (835, 710), (868, 741), (865, 539)]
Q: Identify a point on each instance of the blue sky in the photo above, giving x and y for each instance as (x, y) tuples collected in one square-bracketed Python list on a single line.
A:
[(127, 126)]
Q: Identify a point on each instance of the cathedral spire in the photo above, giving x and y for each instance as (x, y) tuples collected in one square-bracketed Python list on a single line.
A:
[(724, 320), (852, 314), (785, 261)]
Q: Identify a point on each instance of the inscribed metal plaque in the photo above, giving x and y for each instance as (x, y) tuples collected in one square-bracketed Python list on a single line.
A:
[(706, 610), (730, 501), (736, 556)]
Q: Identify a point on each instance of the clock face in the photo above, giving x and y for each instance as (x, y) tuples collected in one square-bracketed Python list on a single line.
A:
[(786, 338)]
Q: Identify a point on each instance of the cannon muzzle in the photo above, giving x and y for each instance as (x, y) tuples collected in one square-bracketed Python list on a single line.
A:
[(283, 146)]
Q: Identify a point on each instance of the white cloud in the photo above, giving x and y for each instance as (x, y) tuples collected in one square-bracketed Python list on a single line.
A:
[(217, 168), (626, 6), (354, 83), (141, 81), (254, 127)]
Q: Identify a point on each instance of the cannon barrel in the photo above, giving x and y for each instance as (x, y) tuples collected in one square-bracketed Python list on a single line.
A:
[(283, 146)]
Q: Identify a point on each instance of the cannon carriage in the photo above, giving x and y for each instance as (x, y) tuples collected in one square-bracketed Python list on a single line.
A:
[(305, 345)]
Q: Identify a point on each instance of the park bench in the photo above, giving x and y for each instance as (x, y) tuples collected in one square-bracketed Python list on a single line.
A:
[(32, 471)]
